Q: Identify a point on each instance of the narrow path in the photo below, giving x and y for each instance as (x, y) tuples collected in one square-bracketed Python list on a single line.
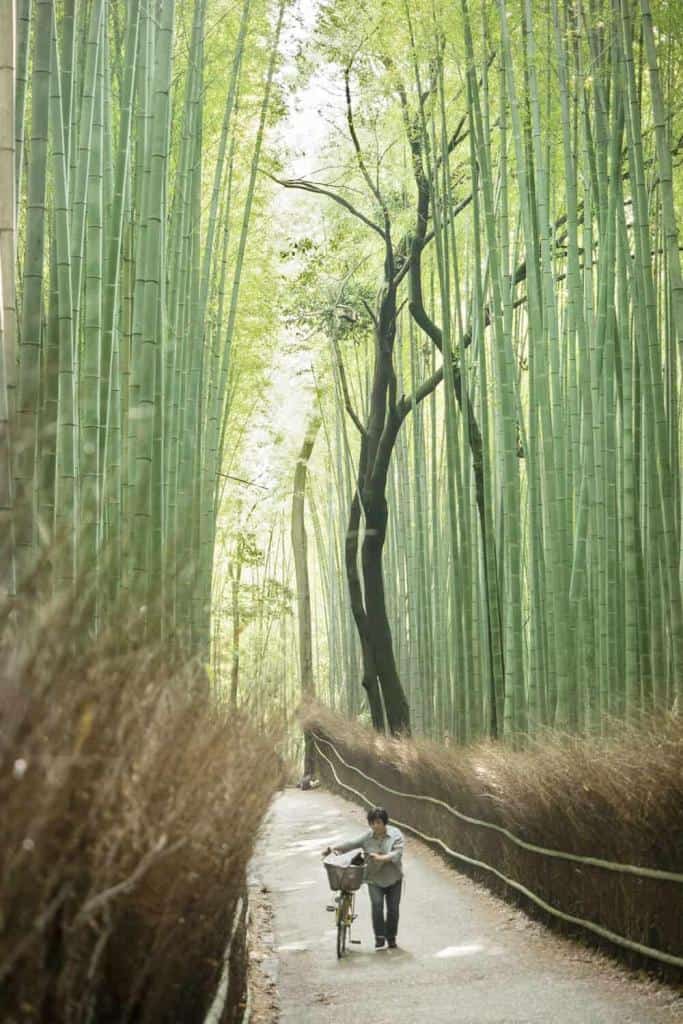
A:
[(464, 957)]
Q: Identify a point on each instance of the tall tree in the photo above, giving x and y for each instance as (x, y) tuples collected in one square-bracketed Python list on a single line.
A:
[(303, 586)]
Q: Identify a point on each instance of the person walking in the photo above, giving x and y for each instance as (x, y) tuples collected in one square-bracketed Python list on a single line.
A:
[(383, 849)]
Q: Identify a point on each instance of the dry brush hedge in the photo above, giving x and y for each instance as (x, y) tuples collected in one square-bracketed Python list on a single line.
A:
[(619, 801), (130, 806)]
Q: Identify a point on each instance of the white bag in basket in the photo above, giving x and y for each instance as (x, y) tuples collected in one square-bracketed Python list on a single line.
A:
[(342, 874)]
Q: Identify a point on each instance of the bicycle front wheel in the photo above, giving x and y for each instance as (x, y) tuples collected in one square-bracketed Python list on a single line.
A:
[(342, 925), (341, 939)]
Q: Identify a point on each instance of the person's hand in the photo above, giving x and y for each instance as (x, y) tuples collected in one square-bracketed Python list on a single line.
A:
[(377, 857), (329, 850)]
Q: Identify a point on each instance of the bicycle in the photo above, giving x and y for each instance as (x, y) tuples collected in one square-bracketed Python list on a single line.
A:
[(345, 880)]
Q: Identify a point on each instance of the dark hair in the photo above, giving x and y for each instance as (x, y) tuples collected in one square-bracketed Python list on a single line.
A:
[(377, 814)]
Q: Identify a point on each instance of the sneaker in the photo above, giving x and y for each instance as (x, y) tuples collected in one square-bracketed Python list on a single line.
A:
[(379, 943), (391, 943)]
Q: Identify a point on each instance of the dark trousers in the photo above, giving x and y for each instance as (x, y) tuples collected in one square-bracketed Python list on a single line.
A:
[(378, 894)]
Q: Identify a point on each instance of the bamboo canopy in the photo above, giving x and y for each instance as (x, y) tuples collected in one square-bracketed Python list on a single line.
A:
[(490, 301)]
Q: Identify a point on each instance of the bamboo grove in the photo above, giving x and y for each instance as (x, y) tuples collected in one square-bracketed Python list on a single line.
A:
[(128, 183), (491, 306), (532, 561)]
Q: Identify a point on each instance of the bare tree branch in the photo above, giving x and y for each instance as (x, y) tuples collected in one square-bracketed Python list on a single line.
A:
[(345, 389), (370, 311), (425, 389), (356, 145), (321, 190)]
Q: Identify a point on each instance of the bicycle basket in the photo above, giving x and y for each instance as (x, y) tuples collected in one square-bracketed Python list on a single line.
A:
[(348, 877)]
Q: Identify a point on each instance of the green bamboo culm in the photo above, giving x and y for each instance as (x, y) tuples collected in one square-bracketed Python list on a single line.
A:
[(119, 331), (9, 87)]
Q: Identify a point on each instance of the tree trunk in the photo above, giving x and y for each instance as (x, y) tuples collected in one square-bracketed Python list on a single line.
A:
[(398, 712), (493, 616), (380, 674), (303, 588), (236, 629), (370, 681)]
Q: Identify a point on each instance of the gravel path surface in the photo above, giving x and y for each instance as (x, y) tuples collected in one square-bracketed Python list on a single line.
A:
[(464, 957)]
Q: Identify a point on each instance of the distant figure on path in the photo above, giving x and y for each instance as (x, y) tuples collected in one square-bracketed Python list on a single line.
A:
[(307, 782), (383, 848)]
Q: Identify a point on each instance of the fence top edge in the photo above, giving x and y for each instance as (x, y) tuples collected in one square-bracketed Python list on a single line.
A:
[(629, 869)]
